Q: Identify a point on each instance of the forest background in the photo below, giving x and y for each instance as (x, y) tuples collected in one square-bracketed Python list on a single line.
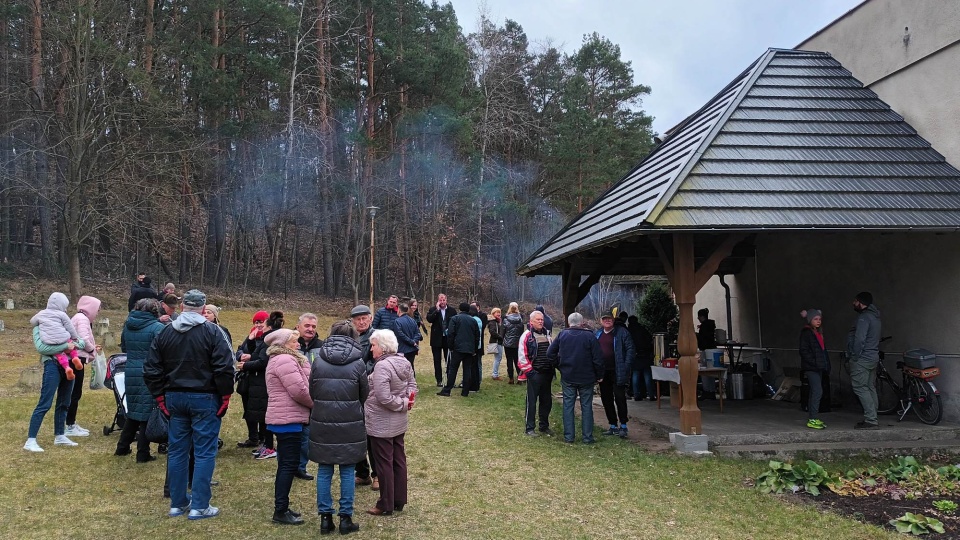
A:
[(242, 143)]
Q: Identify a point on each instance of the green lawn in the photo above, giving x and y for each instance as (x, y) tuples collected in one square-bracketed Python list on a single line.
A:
[(473, 474)]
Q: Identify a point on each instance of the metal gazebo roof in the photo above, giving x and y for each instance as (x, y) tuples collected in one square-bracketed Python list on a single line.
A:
[(794, 142)]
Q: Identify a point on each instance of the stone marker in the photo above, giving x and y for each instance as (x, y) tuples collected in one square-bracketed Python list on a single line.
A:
[(9, 303), (30, 378)]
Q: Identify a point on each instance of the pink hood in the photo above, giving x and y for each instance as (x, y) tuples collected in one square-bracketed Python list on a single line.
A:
[(89, 306)]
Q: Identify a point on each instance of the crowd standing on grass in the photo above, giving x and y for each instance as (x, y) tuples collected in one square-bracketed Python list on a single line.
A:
[(341, 401)]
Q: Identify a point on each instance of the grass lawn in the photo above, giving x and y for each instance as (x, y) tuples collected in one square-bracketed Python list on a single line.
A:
[(473, 474)]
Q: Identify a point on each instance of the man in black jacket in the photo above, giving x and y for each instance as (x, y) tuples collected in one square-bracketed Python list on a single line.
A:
[(140, 289), (576, 353), (462, 336), (189, 370), (310, 347), (438, 316)]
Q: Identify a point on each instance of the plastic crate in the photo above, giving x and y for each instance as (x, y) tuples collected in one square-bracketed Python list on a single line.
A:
[(919, 359)]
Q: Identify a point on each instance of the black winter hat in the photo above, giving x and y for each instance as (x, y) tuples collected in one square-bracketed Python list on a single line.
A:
[(464, 307), (864, 298)]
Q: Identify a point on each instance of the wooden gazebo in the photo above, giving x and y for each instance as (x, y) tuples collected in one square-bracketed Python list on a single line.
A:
[(795, 142)]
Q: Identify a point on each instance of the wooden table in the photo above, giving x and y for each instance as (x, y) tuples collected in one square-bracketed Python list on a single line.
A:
[(673, 375)]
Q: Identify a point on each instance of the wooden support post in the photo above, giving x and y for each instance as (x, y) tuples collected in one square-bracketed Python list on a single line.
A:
[(570, 285), (684, 287)]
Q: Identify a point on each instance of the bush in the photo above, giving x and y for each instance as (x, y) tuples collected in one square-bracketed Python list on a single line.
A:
[(656, 309)]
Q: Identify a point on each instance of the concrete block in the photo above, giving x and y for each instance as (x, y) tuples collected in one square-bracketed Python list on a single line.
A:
[(9, 303), (687, 444)]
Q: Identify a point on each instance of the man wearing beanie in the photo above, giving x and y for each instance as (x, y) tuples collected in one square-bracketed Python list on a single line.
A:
[(863, 349), (189, 370), (463, 334)]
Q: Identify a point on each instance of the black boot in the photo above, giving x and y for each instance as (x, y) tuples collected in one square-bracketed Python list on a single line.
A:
[(347, 525), (326, 524)]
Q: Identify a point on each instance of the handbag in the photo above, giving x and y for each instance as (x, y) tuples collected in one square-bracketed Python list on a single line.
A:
[(99, 367), (492, 348), (157, 426)]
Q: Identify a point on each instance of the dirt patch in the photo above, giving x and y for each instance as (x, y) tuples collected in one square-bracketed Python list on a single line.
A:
[(880, 510)]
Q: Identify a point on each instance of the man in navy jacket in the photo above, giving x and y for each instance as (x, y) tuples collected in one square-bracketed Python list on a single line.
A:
[(576, 353)]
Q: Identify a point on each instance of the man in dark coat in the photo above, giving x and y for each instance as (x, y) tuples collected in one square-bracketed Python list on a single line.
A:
[(360, 317), (438, 316), (310, 347), (140, 289), (463, 333), (577, 355), (547, 321), (407, 332), (617, 348), (189, 370), (384, 317), (642, 376)]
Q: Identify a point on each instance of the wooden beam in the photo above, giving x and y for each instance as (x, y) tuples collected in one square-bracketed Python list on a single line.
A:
[(709, 266), (584, 289), (570, 283), (667, 265)]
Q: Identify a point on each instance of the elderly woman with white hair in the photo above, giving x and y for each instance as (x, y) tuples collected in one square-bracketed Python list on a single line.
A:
[(392, 392)]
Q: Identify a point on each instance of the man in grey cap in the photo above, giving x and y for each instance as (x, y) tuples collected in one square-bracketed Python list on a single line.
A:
[(189, 370), (361, 317)]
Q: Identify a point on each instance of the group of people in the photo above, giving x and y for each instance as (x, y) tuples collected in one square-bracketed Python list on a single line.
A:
[(341, 401), (863, 355)]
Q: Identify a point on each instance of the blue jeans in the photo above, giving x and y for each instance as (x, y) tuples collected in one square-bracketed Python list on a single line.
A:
[(347, 489), (570, 393), (193, 419), (647, 390), (304, 448), (497, 357), (53, 382)]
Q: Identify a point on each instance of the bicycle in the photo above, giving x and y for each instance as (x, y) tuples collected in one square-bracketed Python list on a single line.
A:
[(916, 392)]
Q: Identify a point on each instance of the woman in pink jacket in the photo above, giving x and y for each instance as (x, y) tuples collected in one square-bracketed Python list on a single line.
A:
[(288, 410), (87, 309), (392, 390)]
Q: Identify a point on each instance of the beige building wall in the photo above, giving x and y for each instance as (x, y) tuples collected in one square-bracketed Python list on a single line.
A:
[(908, 52)]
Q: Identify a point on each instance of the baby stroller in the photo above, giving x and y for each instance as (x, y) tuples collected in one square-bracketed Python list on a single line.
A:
[(115, 379)]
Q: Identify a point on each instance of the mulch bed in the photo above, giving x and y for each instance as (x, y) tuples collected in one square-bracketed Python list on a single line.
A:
[(879, 510)]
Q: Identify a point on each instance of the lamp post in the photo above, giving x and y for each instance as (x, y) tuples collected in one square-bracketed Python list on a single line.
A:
[(373, 214)]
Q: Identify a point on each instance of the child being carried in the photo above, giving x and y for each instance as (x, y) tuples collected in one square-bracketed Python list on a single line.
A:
[(56, 329)]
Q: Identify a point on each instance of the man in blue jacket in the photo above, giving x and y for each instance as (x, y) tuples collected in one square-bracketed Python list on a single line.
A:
[(576, 353), (616, 345)]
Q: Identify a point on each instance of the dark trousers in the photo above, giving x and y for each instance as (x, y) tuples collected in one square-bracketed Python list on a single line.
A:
[(538, 391), (477, 368), (453, 366), (75, 397), (364, 469), (439, 354), (614, 398), (513, 358), (134, 429), (257, 431), (410, 356), (392, 463), (288, 459)]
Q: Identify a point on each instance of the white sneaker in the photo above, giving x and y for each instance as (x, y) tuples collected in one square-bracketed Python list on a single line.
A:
[(76, 431), (208, 512), (62, 440), (32, 446)]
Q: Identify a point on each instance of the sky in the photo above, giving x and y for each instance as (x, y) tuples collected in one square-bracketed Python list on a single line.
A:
[(685, 50)]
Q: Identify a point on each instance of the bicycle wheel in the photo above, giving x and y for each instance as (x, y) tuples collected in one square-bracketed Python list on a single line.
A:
[(888, 396), (926, 403)]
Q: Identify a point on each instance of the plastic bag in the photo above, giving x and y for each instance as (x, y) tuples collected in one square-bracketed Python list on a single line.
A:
[(99, 367)]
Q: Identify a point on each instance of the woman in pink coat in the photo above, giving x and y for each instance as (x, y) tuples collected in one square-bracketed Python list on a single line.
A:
[(392, 390), (288, 410), (87, 309)]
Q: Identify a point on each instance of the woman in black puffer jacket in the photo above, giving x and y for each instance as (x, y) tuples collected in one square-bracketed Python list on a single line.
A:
[(815, 363), (254, 396), (142, 326), (512, 330), (338, 386)]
